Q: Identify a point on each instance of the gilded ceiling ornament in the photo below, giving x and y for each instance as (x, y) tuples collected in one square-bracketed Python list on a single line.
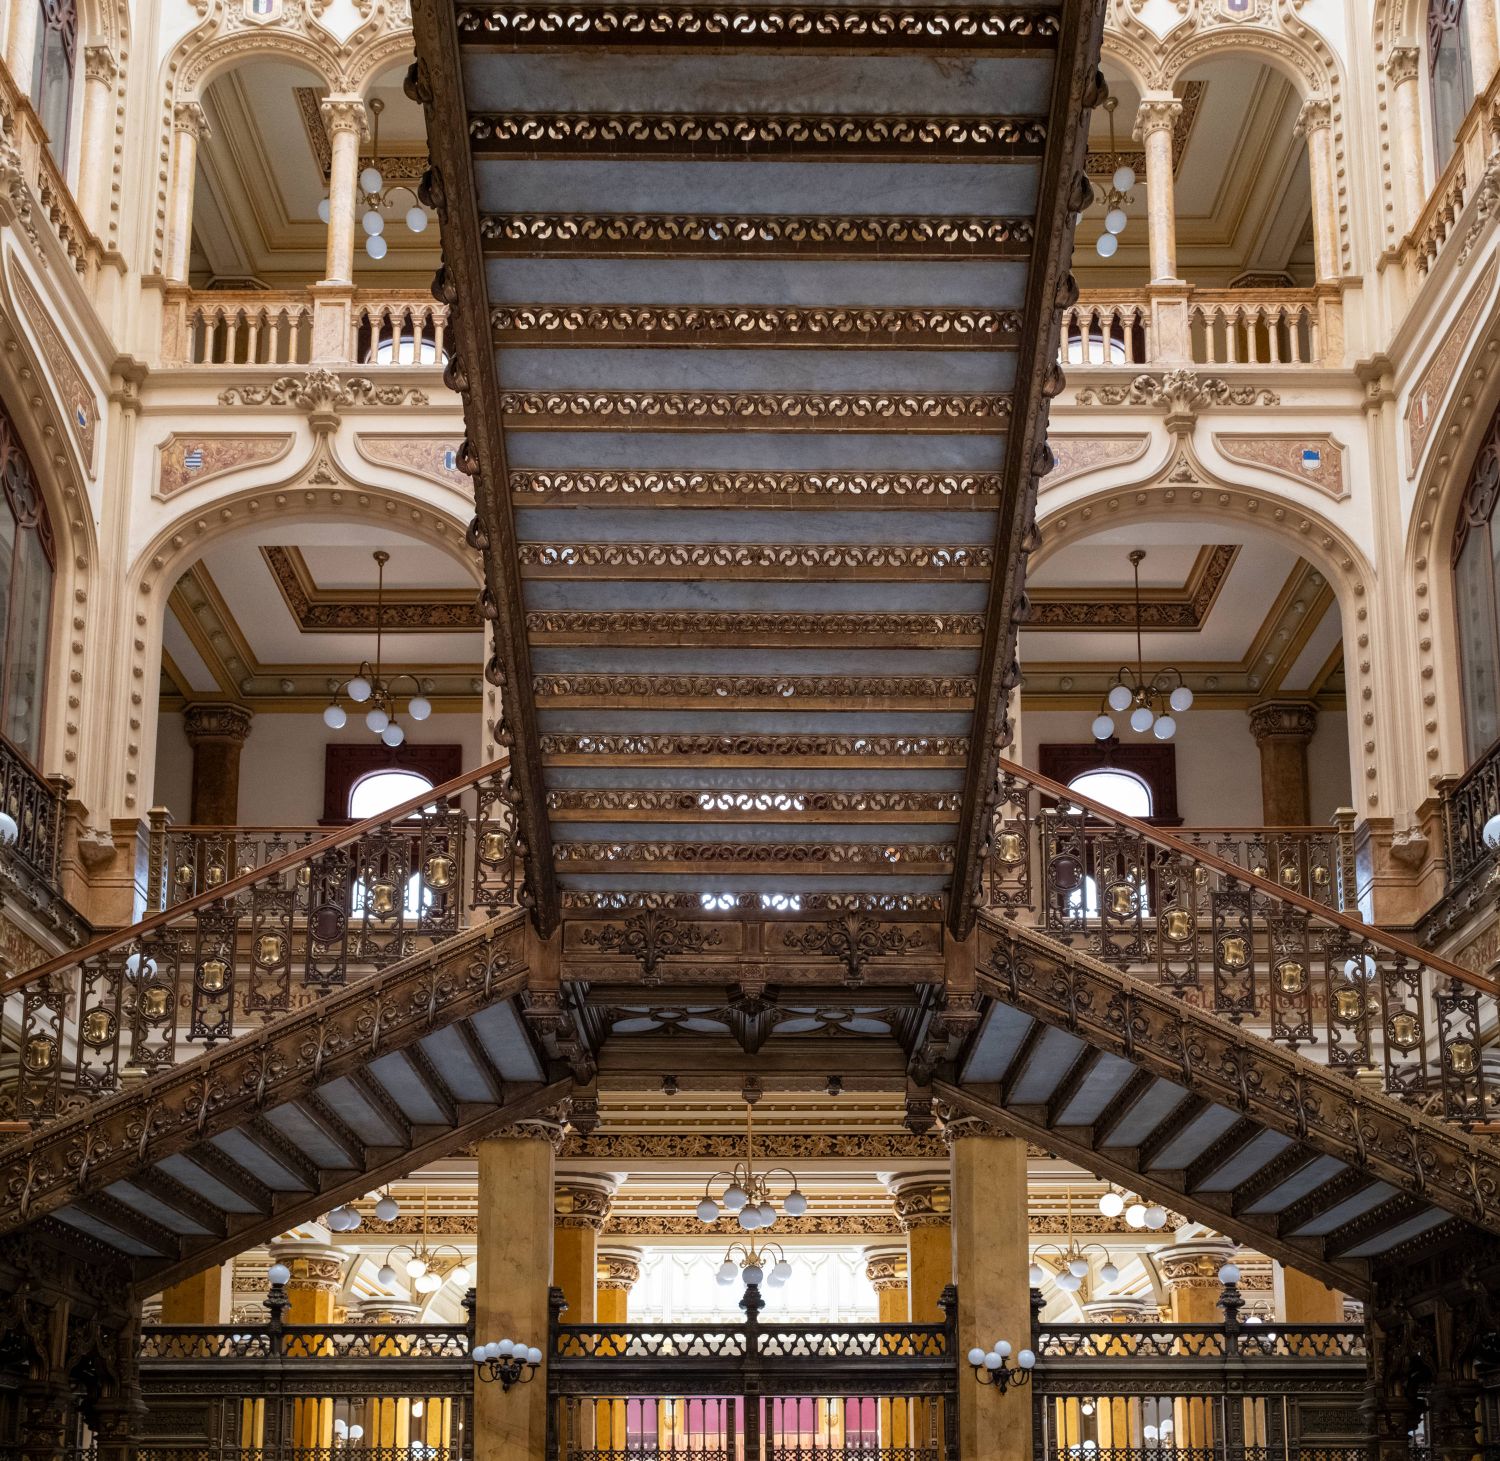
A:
[(936, 749), (835, 854), (852, 940), (589, 626), (562, 486), (689, 559), (750, 687), (751, 410), (650, 937)]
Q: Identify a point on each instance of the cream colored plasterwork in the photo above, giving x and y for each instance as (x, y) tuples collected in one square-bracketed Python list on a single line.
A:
[(1283, 455), (221, 455), (1082, 453), (80, 407), (1427, 396), (426, 456)]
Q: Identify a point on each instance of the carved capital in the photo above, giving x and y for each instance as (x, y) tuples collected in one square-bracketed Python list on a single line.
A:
[(1283, 720), (550, 1126), (582, 1202), (958, 1127), (189, 117), (315, 1267), (886, 1268), (1157, 114), (618, 1268), (923, 1201), (386, 1311), (1194, 1265), (1403, 64), (343, 114), (1316, 113), (99, 64), (217, 722)]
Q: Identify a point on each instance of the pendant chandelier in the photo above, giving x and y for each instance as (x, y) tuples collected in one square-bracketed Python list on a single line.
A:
[(1117, 196), (1137, 1214), (1156, 700), (425, 1266), (373, 195), (367, 686), (1069, 1265), (755, 1265), (748, 1192)]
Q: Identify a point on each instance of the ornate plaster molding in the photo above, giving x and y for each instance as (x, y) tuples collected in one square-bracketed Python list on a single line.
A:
[(79, 404), (323, 611), (1283, 720), (1288, 456), (217, 721), (1075, 454), (432, 457), (322, 394), (190, 460), (1429, 394), (1182, 393)]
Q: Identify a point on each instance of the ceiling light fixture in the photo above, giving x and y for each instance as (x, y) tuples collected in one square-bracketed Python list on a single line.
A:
[(1117, 196), (1156, 701), (1069, 1266), (425, 1267), (748, 1193), (374, 195), (367, 686), (755, 1265)]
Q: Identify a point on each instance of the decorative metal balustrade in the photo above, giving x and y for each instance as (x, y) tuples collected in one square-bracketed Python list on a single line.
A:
[(1260, 951), (753, 1392), (1469, 801), (248, 947), (35, 804), (1235, 1391)]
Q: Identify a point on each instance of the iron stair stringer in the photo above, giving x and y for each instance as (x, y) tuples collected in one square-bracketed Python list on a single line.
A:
[(1329, 1175)]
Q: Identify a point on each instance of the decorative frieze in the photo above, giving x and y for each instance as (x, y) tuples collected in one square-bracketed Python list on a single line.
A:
[(190, 460)]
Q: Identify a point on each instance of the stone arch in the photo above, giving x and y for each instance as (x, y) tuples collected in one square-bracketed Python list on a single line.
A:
[(1135, 59), (319, 490), (1182, 488), (1396, 23), (384, 50)]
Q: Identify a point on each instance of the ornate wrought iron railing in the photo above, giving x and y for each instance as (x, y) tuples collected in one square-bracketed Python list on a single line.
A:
[(1233, 1391), (1469, 801), (35, 804), (753, 1392), (1317, 862), (1259, 952), (234, 956), (304, 1392)]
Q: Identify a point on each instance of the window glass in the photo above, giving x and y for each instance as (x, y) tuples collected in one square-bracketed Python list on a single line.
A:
[(25, 597), (381, 790), (1118, 790), (52, 74), (1449, 73), (1475, 568)]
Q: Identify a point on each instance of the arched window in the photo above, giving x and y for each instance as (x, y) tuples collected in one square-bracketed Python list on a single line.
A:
[(1474, 571), (1450, 76), (26, 564), (52, 71), (1121, 791), (379, 791)]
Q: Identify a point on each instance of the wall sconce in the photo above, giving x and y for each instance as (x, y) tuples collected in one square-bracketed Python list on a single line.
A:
[(994, 1367), (510, 1361)]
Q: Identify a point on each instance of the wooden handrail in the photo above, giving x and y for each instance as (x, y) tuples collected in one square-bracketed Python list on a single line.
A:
[(244, 881), (1285, 895)]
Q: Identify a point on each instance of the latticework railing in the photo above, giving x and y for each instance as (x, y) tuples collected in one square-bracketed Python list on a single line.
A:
[(35, 805), (1469, 802), (235, 955), (1256, 950)]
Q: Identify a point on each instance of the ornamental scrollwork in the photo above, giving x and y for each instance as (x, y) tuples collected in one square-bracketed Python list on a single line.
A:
[(649, 937), (853, 941)]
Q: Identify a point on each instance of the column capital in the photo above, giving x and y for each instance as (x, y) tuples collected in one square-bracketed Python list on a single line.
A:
[(386, 1311), (1120, 1311), (189, 117), (1403, 64), (314, 1266), (1316, 113), (923, 1200), (886, 1268), (1283, 720), (1194, 1265), (217, 721), (99, 64), (1158, 112), (582, 1202), (343, 114), (618, 1268), (549, 1126), (957, 1127)]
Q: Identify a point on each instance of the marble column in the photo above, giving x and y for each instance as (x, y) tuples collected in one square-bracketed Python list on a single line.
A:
[(1190, 1272), (100, 72), (345, 118), (1308, 1300), (317, 1274), (189, 128), (1484, 47), (1282, 730), (1154, 124), (990, 1261), (1402, 68), (1315, 122), (217, 734), (923, 1208), (580, 1204), (20, 44), (513, 1263), (886, 1268), (201, 1299), (618, 1271)]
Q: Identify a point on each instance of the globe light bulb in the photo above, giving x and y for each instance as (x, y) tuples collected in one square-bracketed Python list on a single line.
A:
[(1141, 718), (795, 1204), (1115, 220), (1124, 179), (782, 1271), (375, 246), (1165, 728), (278, 1273), (416, 219), (419, 707), (1002, 1348), (359, 689), (1069, 1283), (393, 735), (1103, 727), (1156, 1218), (533, 1355), (992, 1361), (1181, 699), (1111, 1204), (387, 1275), (1109, 1273), (1229, 1273), (372, 223), (735, 1197), (416, 1267), (1036, 1275), (1135, 1215), (726, 1272), (370, 180), (1107, 246), (352, 1218), (387, 1209), (1026, 1359), (335, 717), (325, 210), (355, 1432), (976, 1357), (708, 1211), (377, 719), (749, 1217), (462, 1276), (767, 1215), (1491, 833), (752, 1273), (1078, 1267), (1118, 699), (9, 830)]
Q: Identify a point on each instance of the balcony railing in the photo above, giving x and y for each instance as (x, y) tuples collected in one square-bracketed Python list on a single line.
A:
[(1272, 327), (255, 327), (1469, 802), (35, 804)]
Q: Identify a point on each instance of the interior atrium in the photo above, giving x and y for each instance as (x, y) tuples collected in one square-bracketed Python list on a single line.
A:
[(749, 733)]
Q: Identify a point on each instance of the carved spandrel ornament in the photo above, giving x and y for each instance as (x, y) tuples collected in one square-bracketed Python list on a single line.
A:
[(187, 460), (854, 941), (649, 937)]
